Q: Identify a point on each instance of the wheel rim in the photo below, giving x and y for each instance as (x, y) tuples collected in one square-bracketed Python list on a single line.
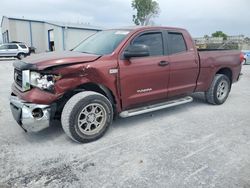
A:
[(222, 90), (21, 56), (91, 119)]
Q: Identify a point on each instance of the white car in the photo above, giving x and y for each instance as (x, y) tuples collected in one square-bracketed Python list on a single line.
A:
[(18, 50)]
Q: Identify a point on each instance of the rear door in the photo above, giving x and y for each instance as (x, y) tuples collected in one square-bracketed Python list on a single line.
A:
[(12, 49), (184, 64), (144, 79)]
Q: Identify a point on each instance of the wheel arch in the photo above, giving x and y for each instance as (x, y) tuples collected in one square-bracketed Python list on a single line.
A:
[(20, 53), (99, 88), (226, 71), (90, 86)]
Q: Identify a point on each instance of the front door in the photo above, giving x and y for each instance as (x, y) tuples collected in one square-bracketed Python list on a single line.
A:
[(4, 50), (144, 79)]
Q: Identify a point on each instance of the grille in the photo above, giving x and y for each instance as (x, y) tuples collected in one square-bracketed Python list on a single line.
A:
[(18, 77)]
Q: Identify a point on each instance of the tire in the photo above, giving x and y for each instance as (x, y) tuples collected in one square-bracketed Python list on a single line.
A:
[(86, 116), (20, 56), (219, 90)]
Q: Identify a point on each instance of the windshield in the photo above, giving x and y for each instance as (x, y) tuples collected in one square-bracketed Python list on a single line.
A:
[(102, 43)]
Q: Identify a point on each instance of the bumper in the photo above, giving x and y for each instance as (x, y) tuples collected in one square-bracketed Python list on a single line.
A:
[(31, 117)]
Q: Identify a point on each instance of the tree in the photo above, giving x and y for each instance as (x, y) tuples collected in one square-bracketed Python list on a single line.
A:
[(146, 9), (206, 37), (220, 34)]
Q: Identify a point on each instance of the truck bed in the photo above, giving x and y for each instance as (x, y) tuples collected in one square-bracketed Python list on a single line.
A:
[(218, 59)]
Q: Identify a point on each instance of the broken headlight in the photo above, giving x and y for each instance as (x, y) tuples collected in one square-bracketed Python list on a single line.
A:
[(43, 81)]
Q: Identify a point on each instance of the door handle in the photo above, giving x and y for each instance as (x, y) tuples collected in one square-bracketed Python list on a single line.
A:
[(163, 63)]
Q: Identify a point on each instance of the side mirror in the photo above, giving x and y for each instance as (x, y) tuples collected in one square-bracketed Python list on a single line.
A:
[(137, 50)]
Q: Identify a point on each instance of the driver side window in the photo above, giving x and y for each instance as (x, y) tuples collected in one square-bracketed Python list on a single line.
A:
[(3, 47), (153, 41)]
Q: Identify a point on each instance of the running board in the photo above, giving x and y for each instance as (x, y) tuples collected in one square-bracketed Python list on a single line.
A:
[(154, 107)]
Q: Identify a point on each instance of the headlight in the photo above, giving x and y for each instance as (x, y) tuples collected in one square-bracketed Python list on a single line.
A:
[(43, 81)]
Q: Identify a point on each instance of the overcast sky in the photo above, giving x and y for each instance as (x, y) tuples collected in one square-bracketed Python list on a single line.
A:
[(200, 17)]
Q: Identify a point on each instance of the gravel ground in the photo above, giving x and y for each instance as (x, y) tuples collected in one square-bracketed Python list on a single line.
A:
[(193, 145)]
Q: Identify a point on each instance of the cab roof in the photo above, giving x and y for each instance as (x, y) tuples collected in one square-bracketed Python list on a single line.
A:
[(134, 28)]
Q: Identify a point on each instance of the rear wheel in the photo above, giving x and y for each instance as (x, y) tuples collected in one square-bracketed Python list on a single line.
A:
[(21, 56), (219, 90), (86, 116)]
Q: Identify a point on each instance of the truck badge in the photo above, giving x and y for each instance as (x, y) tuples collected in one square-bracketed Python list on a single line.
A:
[(144, 90)]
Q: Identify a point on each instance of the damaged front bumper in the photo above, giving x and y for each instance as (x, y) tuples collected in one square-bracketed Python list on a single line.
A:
[(31, 117)]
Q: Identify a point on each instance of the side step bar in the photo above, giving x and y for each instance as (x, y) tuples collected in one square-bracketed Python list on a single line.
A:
[(154, 107)]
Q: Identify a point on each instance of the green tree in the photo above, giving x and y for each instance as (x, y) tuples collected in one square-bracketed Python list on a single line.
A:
[(146, 9), (206, 37), (220, 34)]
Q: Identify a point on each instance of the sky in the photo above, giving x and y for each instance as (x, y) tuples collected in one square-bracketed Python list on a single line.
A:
[(200, 17)]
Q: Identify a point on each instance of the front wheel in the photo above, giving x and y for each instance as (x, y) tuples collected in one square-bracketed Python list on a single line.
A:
[(86, 116), (219, 90)]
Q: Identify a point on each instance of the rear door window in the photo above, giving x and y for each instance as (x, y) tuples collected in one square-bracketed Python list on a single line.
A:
[(176, 43), (12, 46), (153, 41)]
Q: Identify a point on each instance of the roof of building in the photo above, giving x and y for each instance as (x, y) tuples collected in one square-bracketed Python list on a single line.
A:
[(75, 25), (59, 24)]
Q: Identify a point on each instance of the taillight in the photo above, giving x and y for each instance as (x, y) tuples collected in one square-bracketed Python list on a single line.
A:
[(242, 57)]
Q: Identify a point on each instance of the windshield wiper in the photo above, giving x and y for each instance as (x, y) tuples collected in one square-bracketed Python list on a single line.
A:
[(91, 53), (86, 52)]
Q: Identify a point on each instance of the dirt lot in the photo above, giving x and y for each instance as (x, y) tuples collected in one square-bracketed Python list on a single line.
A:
[(194, 145)]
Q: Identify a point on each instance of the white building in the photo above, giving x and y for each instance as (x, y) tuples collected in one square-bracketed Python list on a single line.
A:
[(210, 40), (236, 38), (44, 35)]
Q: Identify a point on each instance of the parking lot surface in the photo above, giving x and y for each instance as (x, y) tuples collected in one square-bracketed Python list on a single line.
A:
[(193, 145)]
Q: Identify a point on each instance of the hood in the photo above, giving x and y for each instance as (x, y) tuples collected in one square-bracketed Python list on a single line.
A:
[(51, 59)]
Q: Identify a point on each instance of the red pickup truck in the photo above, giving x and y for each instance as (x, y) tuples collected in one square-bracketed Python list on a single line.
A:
[(125, 72)]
